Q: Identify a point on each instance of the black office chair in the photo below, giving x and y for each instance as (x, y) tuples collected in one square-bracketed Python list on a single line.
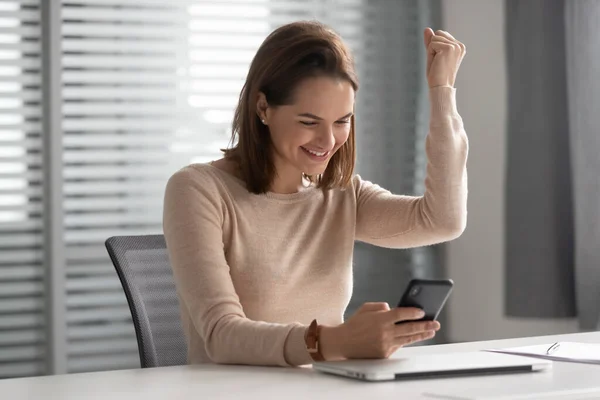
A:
[(142, 264)]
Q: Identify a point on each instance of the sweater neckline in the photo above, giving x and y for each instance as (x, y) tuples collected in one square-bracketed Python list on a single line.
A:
[(280, 197)]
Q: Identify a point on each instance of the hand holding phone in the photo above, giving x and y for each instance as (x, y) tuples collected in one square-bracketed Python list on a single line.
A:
[(373, 331)]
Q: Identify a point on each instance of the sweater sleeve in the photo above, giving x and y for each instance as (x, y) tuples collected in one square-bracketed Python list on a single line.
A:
[(396, 221), (192, 224)]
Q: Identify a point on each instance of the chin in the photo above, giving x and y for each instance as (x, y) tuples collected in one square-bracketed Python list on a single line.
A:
[(315, 170)]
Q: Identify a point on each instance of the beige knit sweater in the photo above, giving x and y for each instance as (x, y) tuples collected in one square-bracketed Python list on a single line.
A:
[(252, 271)]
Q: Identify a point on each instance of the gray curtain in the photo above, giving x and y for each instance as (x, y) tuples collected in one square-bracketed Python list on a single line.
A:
[(583, 82), (552, 184)]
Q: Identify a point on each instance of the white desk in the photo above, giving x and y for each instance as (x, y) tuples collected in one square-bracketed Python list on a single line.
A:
[(257, 383)]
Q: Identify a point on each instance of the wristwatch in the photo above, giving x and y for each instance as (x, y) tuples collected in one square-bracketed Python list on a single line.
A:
[(311, 337)]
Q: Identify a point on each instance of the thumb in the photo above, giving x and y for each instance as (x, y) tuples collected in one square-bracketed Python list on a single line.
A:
[(406, 314), (370, 307), (427, 36)]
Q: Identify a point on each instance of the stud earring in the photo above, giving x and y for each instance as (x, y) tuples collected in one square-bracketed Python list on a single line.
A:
[(263, 121)]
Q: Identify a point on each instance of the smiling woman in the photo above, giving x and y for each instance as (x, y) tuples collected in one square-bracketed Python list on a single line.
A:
[(298, 101), (261, 241)]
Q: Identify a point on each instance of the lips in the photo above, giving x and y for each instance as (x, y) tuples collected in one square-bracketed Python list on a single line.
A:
[(315, 153)]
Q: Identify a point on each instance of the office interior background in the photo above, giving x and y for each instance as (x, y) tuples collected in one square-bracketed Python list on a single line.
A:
[(102, 100)]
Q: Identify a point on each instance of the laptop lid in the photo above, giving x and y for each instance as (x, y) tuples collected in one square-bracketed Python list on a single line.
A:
[(433, 366)]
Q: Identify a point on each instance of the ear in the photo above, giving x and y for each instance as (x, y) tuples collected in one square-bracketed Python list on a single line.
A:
[(261, 107)]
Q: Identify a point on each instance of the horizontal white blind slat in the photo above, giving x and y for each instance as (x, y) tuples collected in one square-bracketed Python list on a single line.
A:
[(12, 196), (121, 46), (104, 124), (101, 332), (89, 188), (26, 31), (101, 234), (103, 220), (22, 368), (22, 304), (115, 61), (88, 269), (130, 172), (19, 353), (115, 345), (21, 272), (94, 283), (132, 203), (20, 256), (107, 156), (22, 15), (21, 289), (98, 314), (18, 49), (129, 31), (123, 77), (159, 16), (15, 4), (18, 225), (153, 3), (29, 63), (102, 299), (20, 337), (23, 320)]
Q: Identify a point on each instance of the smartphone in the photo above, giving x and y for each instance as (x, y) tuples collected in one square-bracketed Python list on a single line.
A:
[(429, 295)]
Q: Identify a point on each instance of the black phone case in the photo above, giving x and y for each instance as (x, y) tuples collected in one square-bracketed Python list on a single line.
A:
[(430, 296)]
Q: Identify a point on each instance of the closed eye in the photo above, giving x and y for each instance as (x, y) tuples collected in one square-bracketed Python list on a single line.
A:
[(310, 123)]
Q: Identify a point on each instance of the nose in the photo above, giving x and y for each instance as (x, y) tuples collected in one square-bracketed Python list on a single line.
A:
[(326, 139)]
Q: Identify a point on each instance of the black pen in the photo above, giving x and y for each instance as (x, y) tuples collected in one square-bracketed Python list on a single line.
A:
[(552, 348)]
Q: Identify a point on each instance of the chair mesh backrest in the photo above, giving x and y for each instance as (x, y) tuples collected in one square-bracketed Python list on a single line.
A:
[(142, 263)]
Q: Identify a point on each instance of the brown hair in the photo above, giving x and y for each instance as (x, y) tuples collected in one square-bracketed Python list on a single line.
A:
[(290, 54)]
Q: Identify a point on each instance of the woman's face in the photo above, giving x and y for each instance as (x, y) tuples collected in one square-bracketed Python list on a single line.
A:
[(307, 133)]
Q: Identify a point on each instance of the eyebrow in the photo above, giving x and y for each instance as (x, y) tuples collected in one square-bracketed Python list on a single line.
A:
[(313, 116)]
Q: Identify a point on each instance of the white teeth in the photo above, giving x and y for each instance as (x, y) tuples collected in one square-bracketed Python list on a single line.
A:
[(315, 153)]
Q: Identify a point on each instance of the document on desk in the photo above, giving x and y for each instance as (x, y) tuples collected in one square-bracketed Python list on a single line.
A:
[(478, 394), (588, 353)]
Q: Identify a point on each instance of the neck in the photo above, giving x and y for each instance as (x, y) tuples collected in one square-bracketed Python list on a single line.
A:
[(287, 179)]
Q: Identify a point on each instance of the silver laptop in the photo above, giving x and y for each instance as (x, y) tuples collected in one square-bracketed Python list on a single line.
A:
[(433, 366)]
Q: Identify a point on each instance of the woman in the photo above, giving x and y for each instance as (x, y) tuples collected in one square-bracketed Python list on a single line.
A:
[(261, 240)]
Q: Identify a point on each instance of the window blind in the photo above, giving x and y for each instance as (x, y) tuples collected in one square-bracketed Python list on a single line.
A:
[(121, 111), (147, 87), (22, 321)]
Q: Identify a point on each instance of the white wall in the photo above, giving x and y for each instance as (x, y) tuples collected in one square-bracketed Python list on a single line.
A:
[(475, 261)]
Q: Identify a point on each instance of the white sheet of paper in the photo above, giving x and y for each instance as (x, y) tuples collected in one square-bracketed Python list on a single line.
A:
[(588, 353), (475, 394)]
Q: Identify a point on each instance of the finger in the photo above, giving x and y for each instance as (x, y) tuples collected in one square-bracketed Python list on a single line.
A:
[(445, 34), (369, 307), (442, 39), (405, 314), (415, 328), (439, 47), (406, 340), (455, 44), (427, 35)]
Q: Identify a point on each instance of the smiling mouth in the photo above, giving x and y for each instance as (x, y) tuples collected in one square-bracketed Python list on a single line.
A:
[(320, 154)]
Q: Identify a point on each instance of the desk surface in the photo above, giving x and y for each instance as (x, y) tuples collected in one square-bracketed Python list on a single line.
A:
[(570, 380)]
